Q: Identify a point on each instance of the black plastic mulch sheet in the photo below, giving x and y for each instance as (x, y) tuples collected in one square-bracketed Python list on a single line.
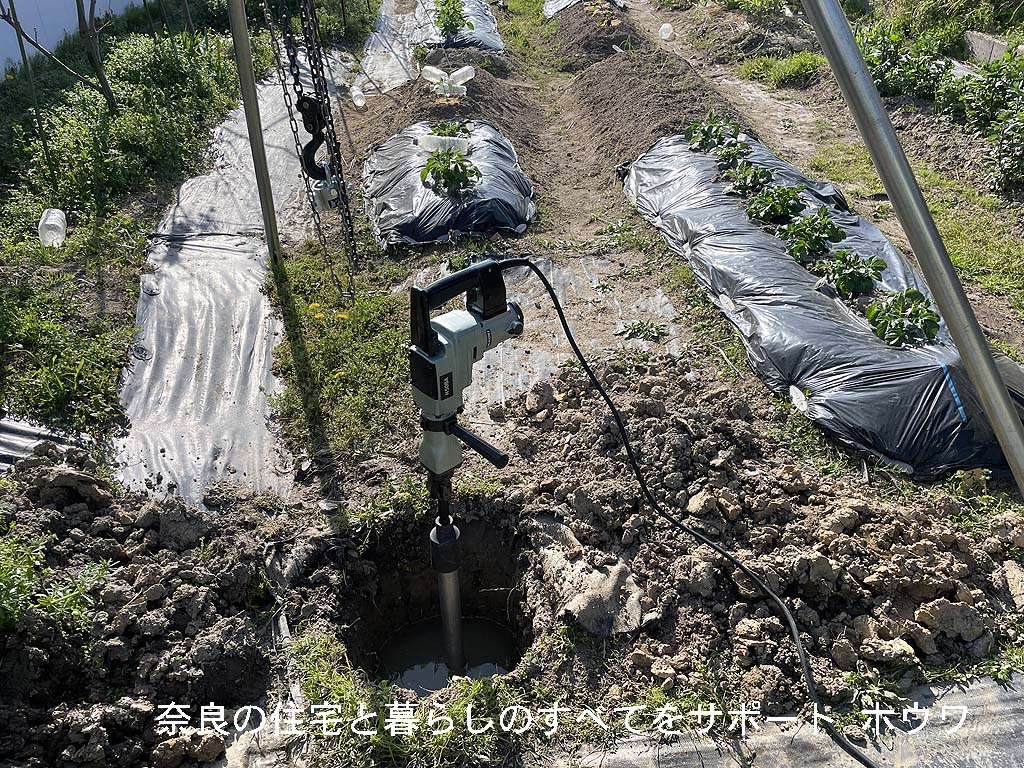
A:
[(403, 210), (482, 34), (913, 408)]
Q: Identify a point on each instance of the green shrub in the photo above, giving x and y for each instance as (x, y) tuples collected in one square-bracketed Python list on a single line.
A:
[(776, 205), (900, 70), (904, 319), (450, 17), (1008, 157), (808, 237), (760, 8), (798, 70)]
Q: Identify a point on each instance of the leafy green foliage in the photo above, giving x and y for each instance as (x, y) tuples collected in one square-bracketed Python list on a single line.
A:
[(850, 274), (760, 8), (646, 330), (450, 17), (712, 132), (899, 69), (904, 319), (20, 565), (61, 351), (797, 70), (730, 155), (449, 172), (452, 128), (808, 237), (776, 205), (1008, 157), (26, 583), (747, 179)]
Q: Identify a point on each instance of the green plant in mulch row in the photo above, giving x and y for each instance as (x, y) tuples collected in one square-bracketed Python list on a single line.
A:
[(849, 273), (808, 237), (449, 172), (730, 155), (904, 319), (776, 205), (450, 17), (450, 128), (747, 179), (711, 133), (797, 70)]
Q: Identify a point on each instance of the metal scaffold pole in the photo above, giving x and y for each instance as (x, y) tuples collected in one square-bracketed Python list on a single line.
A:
[(850, 70), (254, 125)]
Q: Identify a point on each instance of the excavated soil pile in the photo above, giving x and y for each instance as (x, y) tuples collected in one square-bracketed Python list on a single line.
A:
[(887, 583), (176, 619), (585, 33), (492, 98), (726, 36), (630, 100)]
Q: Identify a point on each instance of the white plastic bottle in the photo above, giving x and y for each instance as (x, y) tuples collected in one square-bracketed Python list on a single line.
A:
[(53, 228), (433, 74), (667, 33), (358, 98), (462, 75)]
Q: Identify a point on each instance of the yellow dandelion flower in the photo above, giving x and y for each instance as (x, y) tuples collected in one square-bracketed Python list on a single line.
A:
[(341, 315), (319, 315), (314, 305)]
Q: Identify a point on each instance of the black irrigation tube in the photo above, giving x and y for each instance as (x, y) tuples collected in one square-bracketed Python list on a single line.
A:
[(840, 740)]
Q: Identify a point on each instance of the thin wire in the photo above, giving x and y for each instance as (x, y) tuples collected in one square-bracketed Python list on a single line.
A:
[(805, 666)]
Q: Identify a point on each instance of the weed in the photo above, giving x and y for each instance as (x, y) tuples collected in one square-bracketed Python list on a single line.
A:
[(711, 133), (25, 583), (979, 503), (747, 179), (849, 273), (904, 319), (449, 172), (798, 70), (759, 8), (776, 205), (868, 689), (646, 330), (808, 237)]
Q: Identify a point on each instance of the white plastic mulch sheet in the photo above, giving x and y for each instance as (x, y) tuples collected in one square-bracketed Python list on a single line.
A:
[(197, 386)]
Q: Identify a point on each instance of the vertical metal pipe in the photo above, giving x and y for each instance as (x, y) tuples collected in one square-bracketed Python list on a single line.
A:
[(247, 85), (26, 62), (451, 620), (858, 87)]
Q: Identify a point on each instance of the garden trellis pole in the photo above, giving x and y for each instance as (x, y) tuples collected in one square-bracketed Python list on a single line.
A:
[(851, 72), (254, 125)]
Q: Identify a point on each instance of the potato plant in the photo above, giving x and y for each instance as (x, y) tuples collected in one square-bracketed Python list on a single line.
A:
[(904, 319), (849, 274), (808, 237), (776, 205), (449, 172), (712, 132), (729, 156), (747, 179)]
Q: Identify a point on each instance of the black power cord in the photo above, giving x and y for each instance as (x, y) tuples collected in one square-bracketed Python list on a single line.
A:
[(805, 666)]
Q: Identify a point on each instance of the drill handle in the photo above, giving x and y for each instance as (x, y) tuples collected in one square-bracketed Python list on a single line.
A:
[(494, 455), (484, 288)]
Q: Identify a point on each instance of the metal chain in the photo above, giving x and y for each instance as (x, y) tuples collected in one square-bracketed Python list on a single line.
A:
[(314, 52), (292, 52)]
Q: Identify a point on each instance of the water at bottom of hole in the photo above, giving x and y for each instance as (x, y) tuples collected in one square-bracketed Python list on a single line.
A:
[(414, 657)]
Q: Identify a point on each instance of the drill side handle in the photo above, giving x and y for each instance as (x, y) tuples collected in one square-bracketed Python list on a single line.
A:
[(472, 440)]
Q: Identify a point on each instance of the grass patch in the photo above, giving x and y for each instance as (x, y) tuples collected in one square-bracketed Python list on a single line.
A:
[(345, 364), (328, 677), (530, 35), (980, 231), (797, 70)]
